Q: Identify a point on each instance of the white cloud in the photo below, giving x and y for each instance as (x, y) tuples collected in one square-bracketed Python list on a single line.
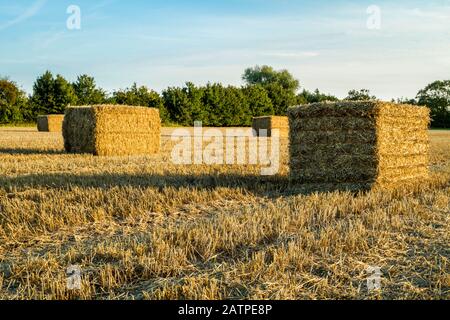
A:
[(28, 13)]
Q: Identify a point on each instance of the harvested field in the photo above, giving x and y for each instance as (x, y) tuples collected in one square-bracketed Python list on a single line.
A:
[(271, 123), (105, 130), (359, 145), (141, 227), (50, 123)]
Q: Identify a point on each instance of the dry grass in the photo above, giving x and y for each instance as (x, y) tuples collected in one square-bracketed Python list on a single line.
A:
[(142, 228)]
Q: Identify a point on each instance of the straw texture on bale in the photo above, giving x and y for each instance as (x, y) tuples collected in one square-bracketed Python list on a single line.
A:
[(50, 123), (106, 130), (358, 145), (269, 123)]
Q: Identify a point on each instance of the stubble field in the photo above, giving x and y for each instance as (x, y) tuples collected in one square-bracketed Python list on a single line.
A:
[(144, 228)]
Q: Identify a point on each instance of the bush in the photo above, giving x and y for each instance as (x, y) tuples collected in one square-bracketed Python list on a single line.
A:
[(13, 103), (216, 105)]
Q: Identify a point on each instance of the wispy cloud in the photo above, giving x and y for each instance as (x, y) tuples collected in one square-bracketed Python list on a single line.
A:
[(28, 13), (51, 39), (442, 13)]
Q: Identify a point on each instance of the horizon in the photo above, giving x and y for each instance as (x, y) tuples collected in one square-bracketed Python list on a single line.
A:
[(159, 44)]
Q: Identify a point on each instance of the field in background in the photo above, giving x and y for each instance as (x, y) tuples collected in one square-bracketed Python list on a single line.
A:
[(144, 228)]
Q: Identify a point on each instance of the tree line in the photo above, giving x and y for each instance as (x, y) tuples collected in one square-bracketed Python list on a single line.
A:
[(266, 91)]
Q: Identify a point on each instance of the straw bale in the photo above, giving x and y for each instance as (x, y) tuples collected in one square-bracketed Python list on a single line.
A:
[(270, 123), (107, 130), (50, 123), (358, 145)]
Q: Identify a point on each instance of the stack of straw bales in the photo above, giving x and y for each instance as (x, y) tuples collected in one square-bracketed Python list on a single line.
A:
[(107, 130), (358, 145), (271, 122), (50, 123)]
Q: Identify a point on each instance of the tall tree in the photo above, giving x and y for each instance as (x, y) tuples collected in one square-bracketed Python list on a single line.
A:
[(52, 95), (13, 103), (184, 105), (258, 100), (436, 96), (281, 98), (266, 75), (281, 86), (87, 92), (226, 106), (64, 94)]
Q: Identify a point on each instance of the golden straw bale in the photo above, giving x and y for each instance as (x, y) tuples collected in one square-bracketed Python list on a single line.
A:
[(109, 130), (270, 123), (50, 123), (358, 145)]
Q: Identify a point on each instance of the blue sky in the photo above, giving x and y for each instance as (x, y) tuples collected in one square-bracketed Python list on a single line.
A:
[(325, 44)]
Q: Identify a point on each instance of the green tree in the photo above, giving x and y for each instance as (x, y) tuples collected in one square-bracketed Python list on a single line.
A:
[(281, 86), (258, 100), (237, 108), (140, 96), (64, 94), (436, 96), (52, 95), (360, 95), (281, 98), (87, 92), (13, 103), (226, 106), (306, 97), (184, 105), (266, 75)]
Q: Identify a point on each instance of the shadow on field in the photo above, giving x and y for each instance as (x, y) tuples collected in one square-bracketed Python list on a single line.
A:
[(24, 151), (261, 185)]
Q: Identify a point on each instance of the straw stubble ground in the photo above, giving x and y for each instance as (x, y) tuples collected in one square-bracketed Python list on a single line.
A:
[(143, 228)]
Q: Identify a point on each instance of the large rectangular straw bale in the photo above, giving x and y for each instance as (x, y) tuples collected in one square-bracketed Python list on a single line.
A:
[(270, 123), (50, 123), (358, 145), (109, 130)]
